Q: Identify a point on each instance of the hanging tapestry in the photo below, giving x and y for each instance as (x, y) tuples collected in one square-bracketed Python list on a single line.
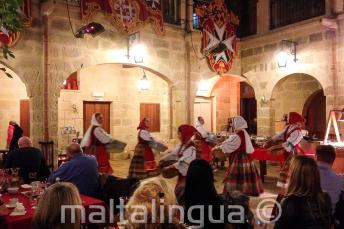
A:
[(126, 15), (219, 41)]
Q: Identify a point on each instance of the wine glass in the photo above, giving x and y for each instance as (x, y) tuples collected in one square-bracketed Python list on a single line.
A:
[(14, 171), (32, 176)]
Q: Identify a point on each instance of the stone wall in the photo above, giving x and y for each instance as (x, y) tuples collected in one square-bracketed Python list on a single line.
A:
[(12, 91), (120, 87), (291, 94), (314, 58), (227, 96), (28, 66)]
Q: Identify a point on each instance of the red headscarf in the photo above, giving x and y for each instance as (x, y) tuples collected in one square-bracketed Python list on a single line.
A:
[(295, 117), (142, 125), (187, 131)]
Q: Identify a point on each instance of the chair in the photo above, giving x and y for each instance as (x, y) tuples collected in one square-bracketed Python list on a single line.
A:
[(3, 154), (48, 153)]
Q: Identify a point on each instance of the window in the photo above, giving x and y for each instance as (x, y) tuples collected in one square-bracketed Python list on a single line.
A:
[(171, 11), (152, 112), (196, 22), (285, 12)]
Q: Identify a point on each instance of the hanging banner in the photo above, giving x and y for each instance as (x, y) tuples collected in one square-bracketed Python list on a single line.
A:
[(219, 41), (126, 15)]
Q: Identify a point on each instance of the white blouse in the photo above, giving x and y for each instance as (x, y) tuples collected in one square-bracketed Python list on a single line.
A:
[(102, 136), (231, 144), (182, 164), (145, 135), (295, 137), (202, 131)]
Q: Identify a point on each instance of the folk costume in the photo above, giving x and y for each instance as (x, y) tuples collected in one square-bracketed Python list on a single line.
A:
[(94, 143), (291, 137), (242, 174), (143, 164), (184, 154), (206, 148)]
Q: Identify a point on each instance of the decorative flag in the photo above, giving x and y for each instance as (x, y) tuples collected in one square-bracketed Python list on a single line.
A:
[(127, 15), (219, 41)]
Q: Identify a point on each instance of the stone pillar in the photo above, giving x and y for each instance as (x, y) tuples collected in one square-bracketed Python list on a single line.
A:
[(263, 19), (265, 118)]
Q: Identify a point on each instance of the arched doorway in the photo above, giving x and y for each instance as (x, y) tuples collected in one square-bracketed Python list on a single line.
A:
[(248, 107), (221, 98), (113, 89), (14, 105), (292, 93), (314, 111)]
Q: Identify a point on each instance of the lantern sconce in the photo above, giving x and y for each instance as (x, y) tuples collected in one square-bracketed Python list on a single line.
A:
[(144, 83), (135, 48), (288, 49)]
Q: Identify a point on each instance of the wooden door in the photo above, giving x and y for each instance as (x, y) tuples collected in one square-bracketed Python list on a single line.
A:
[(315, 113), (93, 107), (151, 111), (248, 110), (25, 116), (204, 109)]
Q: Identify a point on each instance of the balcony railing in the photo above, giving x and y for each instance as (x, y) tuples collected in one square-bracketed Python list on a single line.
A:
[(285, 12)]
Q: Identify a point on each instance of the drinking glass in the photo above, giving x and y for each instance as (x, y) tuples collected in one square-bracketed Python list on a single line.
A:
[(33, 176), (15, 171)]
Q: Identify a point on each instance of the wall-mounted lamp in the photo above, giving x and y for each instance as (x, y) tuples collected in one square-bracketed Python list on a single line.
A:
[(288, 50), (135, 48), (203, 85), (263, 99), (144, 83)]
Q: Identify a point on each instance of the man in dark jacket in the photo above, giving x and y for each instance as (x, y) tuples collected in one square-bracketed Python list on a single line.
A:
[(30, 161)]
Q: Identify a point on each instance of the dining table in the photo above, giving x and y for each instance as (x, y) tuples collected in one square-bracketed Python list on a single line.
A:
[(26, 221), (263, 155)]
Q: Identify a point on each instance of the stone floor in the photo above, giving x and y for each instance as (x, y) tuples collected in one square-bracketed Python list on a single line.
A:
[(121, 168)]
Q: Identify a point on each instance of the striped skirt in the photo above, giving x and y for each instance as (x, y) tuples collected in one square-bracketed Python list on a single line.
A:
[(242, 175), (137, 167)]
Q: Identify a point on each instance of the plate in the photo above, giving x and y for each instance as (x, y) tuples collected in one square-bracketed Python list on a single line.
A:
[(25, 186), (17, 213), (10, 206)]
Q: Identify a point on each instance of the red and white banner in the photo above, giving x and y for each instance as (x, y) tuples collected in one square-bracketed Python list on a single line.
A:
[(219, 41), (127, 15)]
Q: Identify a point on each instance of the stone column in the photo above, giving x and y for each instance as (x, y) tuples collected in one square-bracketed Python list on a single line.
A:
[(263, 18)]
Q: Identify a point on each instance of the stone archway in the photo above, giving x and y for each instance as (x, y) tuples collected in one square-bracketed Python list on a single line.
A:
[(314, 111), (219, 98), (118, 85), (14, 104), (291, 94)]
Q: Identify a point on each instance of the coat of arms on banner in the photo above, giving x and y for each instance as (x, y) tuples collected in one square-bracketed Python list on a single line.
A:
[(219, 41), (127, 15)]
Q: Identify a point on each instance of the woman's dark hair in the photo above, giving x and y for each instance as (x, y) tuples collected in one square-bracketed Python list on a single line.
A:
[(200, 190), (199, 185)]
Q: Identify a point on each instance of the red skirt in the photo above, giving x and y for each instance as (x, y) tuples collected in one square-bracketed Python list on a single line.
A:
[(242, 175), (103, 160)]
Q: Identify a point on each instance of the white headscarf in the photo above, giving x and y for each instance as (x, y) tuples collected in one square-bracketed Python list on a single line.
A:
[(86, 140), (239, 123)]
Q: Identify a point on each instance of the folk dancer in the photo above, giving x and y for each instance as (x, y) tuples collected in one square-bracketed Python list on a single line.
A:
[(291, 137), (242, 174), (206, 148), (182, 156), (143, 164), (94, 143)]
